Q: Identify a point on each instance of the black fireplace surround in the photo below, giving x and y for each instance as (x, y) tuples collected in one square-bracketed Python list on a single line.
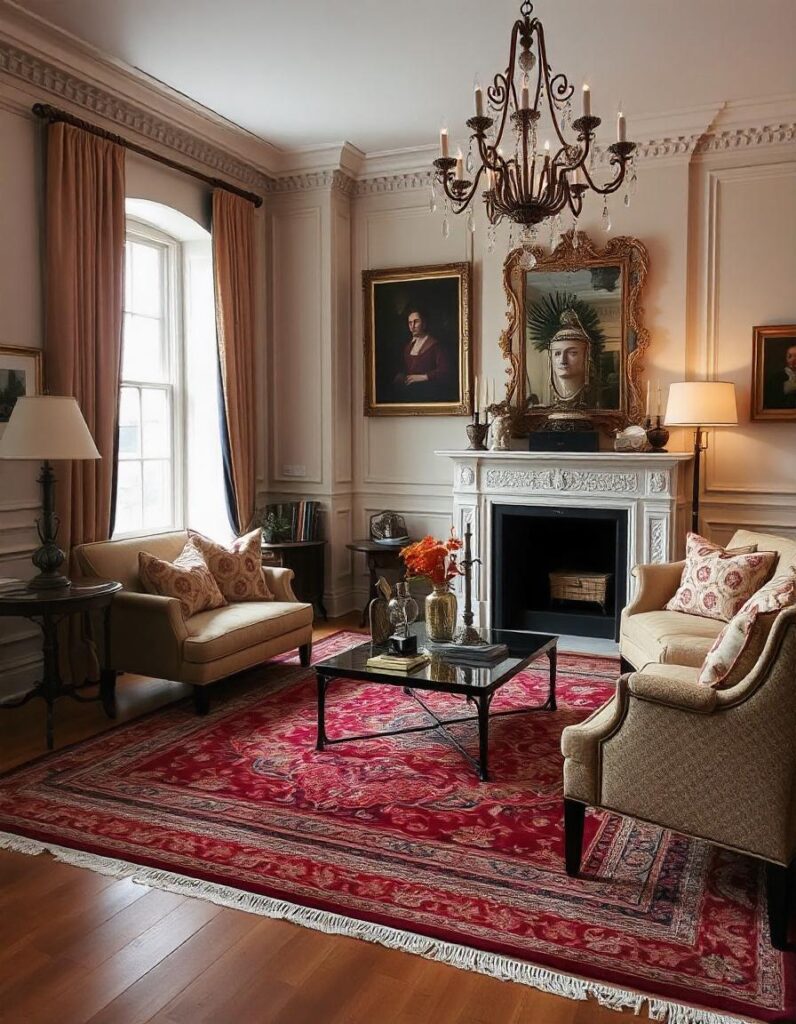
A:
[(531, 541)]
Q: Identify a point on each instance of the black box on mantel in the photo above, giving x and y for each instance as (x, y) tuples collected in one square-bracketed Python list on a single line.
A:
[(564, 441)]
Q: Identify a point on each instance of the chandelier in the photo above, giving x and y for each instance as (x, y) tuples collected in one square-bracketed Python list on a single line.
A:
[(525, 183)]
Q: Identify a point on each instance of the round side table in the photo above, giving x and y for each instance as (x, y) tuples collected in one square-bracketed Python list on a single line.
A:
[(47, 608)]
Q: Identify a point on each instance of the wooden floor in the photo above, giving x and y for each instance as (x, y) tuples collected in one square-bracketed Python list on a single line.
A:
[(78, 947)]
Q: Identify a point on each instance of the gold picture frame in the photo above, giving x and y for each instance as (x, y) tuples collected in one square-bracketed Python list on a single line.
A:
[(20, 374), (774, 373), (625, 262), (411, 369)]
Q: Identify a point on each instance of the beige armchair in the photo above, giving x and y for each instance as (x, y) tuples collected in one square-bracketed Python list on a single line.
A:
[(649, 634), (149, 636), (718, 765)]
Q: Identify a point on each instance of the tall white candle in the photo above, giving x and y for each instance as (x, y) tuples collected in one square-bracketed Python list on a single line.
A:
[(459, 166), (490, 179), (586, 109), (621, 127), (525, 99), (648, 399), (479, 101), (658, 405), (475, 394), (443, 142)]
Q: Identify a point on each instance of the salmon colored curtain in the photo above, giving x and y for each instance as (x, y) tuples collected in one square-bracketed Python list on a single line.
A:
[(233, 264), (84, 281)]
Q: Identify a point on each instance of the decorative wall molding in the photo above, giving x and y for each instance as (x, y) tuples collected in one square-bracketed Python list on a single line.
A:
[(745, 137), (311, 181), (91, 99)]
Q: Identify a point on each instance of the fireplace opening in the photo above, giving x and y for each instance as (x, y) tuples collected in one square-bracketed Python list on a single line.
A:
[(559, 570)]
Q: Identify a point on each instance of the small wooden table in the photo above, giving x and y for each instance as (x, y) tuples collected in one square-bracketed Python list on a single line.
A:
[(378, 556), (47, 608), (305, 558)]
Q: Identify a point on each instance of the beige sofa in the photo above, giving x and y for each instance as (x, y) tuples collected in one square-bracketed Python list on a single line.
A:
[(649, 634), (718, 765), (149, 636)]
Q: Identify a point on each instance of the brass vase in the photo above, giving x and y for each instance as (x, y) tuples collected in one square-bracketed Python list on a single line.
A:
[(440, 614)]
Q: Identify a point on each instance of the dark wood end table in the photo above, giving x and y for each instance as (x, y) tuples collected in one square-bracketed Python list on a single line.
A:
[(478, 683), (47, 608), (306, 559), (378, 556)]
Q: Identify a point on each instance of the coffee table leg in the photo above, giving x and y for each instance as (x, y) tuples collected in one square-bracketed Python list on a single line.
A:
[(483, 737), (322, 683), (552, 656)]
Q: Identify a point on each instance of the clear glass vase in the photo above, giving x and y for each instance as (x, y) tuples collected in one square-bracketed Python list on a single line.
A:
[(402, 610), (440, 613)]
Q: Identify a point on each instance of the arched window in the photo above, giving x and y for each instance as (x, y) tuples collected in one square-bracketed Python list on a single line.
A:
[(170, 471)]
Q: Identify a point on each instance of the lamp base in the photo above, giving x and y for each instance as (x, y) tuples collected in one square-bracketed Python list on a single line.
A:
[(49, 581)]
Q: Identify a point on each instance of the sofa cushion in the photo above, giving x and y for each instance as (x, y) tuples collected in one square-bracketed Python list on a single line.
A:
[(716, 583), (784, 546), (671, 637), (216, 634), (741, 642), (187, 578), (238, 569)]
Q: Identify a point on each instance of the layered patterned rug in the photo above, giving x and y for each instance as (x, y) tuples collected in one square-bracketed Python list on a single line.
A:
[(394, 840)]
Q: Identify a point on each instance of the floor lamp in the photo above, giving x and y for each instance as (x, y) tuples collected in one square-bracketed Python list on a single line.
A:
[(45, 428), (700, 404)]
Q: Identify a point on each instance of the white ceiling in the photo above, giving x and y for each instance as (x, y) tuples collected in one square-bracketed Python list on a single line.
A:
[(382, 75)]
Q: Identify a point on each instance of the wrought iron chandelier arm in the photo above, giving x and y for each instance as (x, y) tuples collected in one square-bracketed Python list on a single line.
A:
[(564, 89)]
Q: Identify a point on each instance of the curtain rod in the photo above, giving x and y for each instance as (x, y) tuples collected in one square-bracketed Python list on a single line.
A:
[(52, 115)]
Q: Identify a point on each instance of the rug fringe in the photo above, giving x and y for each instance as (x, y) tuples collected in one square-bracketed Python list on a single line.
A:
[(465, 958)]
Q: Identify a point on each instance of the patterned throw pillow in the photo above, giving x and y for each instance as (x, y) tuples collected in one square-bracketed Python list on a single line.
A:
[(741, 642), (238, 570), (187, 578), (716, 583)]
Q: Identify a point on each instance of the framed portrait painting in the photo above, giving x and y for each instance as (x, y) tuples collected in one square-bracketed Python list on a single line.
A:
[(418, 358), (774, 373), (20, 374)]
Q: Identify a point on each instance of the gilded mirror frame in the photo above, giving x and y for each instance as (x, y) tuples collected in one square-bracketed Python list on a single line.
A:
[(578, 253)]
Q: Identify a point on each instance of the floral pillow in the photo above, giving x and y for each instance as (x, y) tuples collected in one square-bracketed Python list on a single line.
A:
[(716, 583), (238, 570), (187, 578), (741, 642)]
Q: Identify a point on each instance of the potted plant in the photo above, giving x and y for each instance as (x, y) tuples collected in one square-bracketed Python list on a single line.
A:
[(275, 527), (436, 560)]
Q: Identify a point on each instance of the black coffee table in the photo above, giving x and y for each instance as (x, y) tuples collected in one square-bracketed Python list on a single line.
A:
[(478, 683)]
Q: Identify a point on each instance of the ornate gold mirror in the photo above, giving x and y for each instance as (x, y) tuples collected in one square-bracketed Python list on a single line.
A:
[(575, 337)]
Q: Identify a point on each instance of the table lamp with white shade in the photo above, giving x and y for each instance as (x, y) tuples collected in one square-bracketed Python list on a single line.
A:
[(47, 428), (700, 404)]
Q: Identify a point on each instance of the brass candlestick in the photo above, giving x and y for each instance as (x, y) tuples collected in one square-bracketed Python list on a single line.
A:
[(468, 635)]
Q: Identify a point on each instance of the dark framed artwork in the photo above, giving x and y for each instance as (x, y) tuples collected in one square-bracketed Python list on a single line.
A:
[(418, 357), (774, 373), (20, 374)]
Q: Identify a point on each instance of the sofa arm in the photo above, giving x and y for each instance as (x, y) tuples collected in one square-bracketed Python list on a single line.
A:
[(657, 583), (675, 693), (147, 634), (278, 582)]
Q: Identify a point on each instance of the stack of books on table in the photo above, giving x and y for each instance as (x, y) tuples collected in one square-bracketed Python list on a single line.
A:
[(11, 586), (483, 654), (395, 663)]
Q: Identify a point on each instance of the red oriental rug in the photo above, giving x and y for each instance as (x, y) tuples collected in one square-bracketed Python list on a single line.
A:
[(394, 840)]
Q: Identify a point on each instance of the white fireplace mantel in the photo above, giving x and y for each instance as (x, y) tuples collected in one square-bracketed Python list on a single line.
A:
[(648, 485)]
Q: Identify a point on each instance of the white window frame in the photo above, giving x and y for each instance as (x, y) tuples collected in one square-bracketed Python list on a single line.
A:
[(174, 322)]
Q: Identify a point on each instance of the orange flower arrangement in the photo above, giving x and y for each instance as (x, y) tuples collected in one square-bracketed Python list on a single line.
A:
[(434, 559)]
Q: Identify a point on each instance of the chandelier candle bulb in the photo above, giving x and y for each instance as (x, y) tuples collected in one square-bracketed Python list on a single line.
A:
[(586, 101), (479, 101), (443, 143), (459, 166), (621, 127), (525, 100)]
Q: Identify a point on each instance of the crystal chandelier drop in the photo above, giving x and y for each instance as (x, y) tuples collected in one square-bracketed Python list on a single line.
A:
[(519, 180)]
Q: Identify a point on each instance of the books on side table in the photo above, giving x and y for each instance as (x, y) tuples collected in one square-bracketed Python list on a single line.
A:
[(395, 663)]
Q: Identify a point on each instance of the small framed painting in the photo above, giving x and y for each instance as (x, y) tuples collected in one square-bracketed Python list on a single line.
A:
[(774, 373), (20, 374), (418, 358)]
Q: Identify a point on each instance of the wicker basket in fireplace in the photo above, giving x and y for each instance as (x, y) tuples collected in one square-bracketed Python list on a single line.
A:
[(580, 586)]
